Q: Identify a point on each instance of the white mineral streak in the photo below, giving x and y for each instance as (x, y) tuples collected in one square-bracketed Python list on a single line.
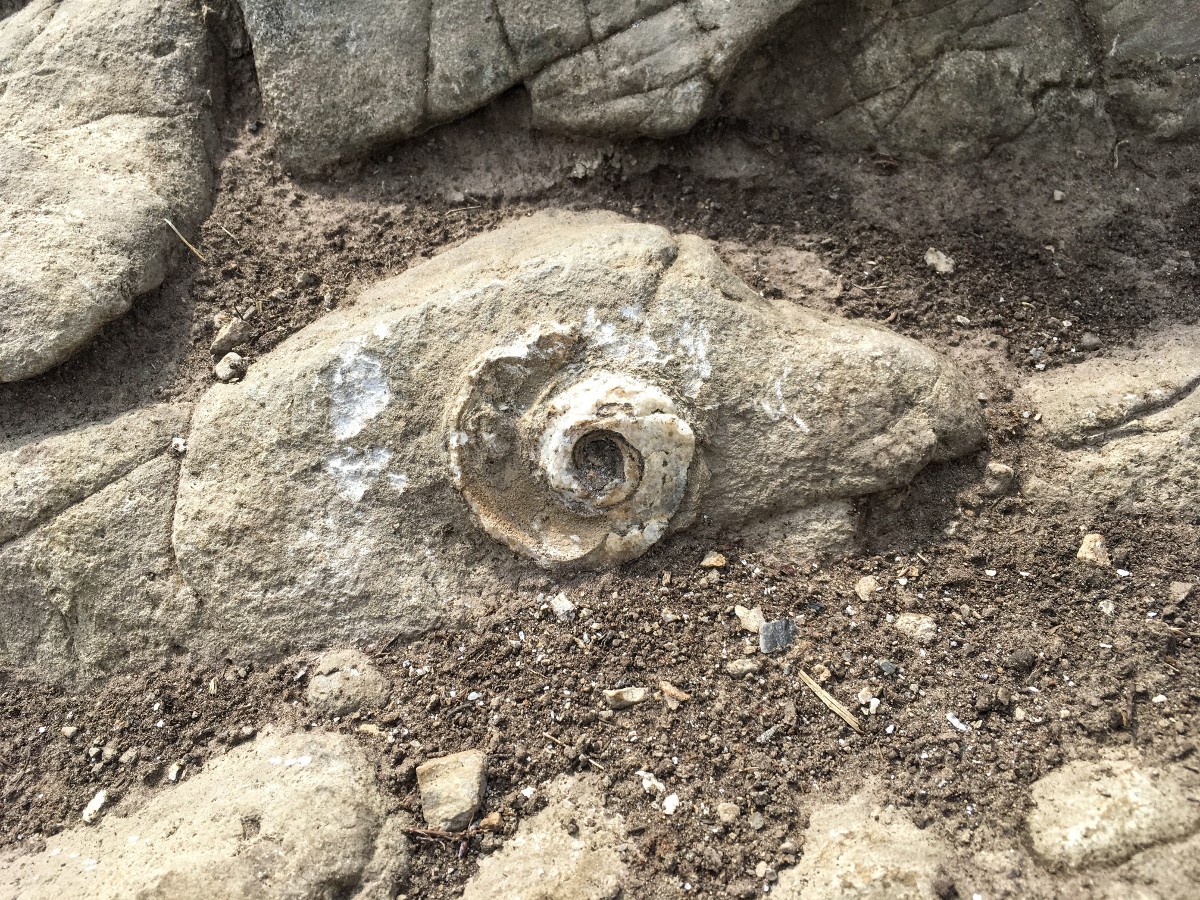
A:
[(356, 470), (358, 391), (592, 474)]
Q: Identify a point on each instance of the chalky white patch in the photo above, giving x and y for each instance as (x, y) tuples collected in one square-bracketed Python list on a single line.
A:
[(356, 470), (358, 392)]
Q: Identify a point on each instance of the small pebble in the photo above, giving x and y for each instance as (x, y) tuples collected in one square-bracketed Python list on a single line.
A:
[(623, 698), (230, 368), (563, 609), (712, 560), (1094, 551), (939, 262), (1089, 341), (775, 636), (92, 811)]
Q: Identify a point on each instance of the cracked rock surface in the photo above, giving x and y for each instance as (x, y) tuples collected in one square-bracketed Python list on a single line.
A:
[(295, 816), (339, 79), (335, 457), (103, 130)]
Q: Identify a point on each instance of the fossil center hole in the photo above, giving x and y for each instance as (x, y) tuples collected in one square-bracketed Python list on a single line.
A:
[(603, 461)]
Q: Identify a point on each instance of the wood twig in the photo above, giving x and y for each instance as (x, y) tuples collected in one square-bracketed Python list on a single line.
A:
[(829, 700), (186, 242)]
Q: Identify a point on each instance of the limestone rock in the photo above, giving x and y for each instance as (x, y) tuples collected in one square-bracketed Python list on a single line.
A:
[(623, 698), (103, 129), (859, 850), (41, 478), (1098, 813), (340, 457), (95, 589), (649, 67), (920, 628), (230, 336), (344, 682), (1093, 550), (568, 851), (1129, 424), (296, 816), (952, 80), (452, 789), (230, 367)]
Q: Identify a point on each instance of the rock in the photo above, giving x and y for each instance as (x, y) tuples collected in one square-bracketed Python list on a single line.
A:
[(946, 84), (756, 821), (1179, 591), (44, 477), (109, 554), (1058, 196), (998, 479), (887, 667), (1102, 812), (712, 560), (69, 731), (609, 68), (1127, 423), (776, 636), (333, 463), (920, 628), (296, 816), (752, 620), (229, 368), (230, 336), (728, 812), (1094, 551), (740, 667), (623, 698), (345, 681), (568, 851), (866, 587), (939, 262), (102, 137), (452, 789), (1090, 341), (129, 757), (856, 849), (563, 609), (91, 812), (673, 695)]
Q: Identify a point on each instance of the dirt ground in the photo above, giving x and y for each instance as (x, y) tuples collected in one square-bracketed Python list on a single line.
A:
[(1025, 650)]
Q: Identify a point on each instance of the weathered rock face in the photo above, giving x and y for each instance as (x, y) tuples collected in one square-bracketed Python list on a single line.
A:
[(1129, 423), (295, 816), (858, 850), (103, 123), (341, 78), (568, 851), (583, 383), (1098, 813), (961, 78), (89, 578)]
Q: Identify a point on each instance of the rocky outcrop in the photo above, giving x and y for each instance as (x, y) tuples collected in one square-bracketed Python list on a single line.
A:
[(103, 129), (1129, 423), (339, 79), (295, 816), (90, 583), (959, 79), (368, 473)]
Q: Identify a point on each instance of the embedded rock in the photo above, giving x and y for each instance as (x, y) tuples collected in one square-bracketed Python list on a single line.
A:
[(955, 79), (1097, 813), (452, 789), (339, 79), (103, 129), (573, 388), (856, 849), (568, 851), (1129, 424), (90, 583), (345, 681), (295, 816)]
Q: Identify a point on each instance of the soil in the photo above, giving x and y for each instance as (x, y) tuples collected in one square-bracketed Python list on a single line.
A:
[(1022, 622)]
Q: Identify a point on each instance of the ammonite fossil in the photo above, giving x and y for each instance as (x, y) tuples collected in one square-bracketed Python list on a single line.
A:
[(569, 466)]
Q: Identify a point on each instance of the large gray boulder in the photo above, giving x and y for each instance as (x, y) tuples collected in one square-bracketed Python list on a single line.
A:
[(89, 579), (103, 128), (292, 816), (572, 388), (341, 78), (953, 79)]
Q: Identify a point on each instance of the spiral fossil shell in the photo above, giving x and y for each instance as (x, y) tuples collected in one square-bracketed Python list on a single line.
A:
[(565, 465)]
